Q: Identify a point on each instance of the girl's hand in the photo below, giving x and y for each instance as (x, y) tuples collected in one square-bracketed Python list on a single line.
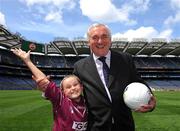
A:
[(25, 56)]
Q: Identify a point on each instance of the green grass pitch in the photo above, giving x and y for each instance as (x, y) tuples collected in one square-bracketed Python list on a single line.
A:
[(28, 111)]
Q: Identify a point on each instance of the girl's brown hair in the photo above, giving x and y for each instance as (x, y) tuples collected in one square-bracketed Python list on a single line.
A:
[(68, 76)]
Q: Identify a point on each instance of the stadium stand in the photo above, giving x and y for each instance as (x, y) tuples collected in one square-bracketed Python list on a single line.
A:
[(157, 61)]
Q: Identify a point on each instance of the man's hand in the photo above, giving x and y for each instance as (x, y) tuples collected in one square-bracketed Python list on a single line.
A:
[(149, 107)]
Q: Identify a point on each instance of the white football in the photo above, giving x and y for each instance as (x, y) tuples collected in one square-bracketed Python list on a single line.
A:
[(136, 94)]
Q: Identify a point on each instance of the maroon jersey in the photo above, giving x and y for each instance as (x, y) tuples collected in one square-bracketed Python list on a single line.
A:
[(68, 115)]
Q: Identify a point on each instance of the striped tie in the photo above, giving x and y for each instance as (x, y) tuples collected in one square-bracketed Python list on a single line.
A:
[(106, 69)]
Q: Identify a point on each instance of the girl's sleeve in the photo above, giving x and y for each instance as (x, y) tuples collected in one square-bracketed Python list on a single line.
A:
[(53, 93)]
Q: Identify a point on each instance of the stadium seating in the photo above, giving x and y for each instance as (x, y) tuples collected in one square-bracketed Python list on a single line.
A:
[(159, 72), (16, 83)]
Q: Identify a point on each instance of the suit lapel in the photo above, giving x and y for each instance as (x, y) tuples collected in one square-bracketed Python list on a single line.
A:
[(92, 70), (94, 76), (115, 67), (113, 70)]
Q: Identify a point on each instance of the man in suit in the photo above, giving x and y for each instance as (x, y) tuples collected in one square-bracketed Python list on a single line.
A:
[(103, 87)]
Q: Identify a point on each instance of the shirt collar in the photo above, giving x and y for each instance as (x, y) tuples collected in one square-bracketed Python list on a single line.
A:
[(108, 55)]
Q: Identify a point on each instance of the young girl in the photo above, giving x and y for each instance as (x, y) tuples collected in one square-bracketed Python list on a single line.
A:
[(69, 110)]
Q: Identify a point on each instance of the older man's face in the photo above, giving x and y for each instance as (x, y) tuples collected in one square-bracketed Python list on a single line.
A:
[(99, 40)]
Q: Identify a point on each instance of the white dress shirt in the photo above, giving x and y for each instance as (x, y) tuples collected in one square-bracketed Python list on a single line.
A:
[(99, 66)]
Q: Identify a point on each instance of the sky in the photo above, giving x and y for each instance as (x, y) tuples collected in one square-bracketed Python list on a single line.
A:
[(44, 20)]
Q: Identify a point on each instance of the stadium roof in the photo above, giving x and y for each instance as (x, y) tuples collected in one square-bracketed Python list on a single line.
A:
[(79, 46)]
